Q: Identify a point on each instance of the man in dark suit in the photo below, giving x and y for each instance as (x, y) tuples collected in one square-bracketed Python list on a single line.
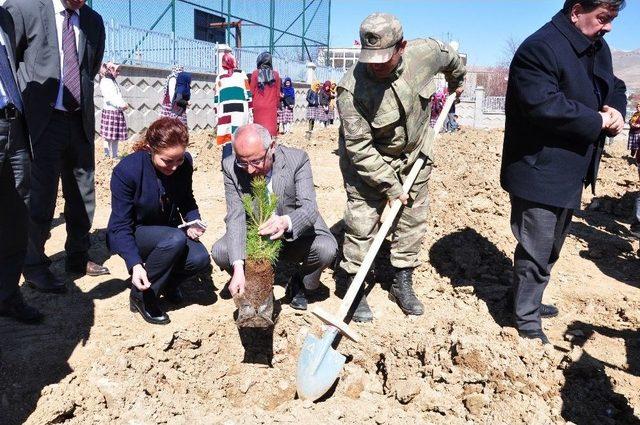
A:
[(59, 49), (14, 181), (307, 239), (562, 101)]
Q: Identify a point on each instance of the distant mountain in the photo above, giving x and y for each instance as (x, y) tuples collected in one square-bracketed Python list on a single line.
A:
[(626, 66)]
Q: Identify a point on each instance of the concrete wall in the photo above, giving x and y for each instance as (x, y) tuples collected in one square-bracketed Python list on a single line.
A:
[(143, 89)]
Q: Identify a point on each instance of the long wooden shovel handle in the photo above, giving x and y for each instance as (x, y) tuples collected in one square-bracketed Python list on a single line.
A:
[(358, 279)]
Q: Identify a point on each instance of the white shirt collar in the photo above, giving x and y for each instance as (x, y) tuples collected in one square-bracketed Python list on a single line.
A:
[(58, 7)]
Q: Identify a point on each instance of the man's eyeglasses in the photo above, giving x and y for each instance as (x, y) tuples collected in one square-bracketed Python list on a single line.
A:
[(255, 163)]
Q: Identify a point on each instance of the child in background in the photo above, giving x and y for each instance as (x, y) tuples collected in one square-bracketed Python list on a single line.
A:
[(113, 124), (287, 103), (312, 106)]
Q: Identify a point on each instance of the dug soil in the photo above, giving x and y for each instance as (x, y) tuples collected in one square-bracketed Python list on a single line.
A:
[(95, 362), (259, 281)]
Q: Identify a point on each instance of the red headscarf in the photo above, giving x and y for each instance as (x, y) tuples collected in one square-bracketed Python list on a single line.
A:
[(229, 63), (327, 86)]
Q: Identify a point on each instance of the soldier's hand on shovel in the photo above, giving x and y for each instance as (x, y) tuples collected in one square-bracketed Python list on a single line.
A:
[(404, 198)]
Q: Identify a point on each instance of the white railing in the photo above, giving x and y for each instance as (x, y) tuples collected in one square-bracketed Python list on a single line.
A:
[(135, 46), (493, 104)]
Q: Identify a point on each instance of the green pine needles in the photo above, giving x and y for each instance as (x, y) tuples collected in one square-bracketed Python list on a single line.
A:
[(260, 206)]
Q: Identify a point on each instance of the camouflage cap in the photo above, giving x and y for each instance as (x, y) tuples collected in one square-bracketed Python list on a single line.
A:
[(379, 34)]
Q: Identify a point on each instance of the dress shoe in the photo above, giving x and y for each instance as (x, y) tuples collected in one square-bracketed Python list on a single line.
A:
[(89, 268), (174, 295), (548, 310), (402, 293), (16, 308), (149, 311), (534, 334), (45, 281), (296, 293), (362, 312)]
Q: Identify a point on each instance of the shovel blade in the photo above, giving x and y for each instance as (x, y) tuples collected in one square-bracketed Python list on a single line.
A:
[(313, 382)]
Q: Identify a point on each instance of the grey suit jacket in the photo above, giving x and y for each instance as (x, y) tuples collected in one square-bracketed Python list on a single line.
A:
[(38, 61), (292, 183), (18, 130)]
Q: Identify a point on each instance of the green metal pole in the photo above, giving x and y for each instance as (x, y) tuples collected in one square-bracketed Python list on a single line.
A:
[(272, 22), (130, 13), (90, 2), (228, 22), (304, 30), (326, 57), (173, 28)]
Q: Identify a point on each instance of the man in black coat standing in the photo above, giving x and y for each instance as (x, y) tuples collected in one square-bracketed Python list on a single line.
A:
[(14, 180), (562, 102)]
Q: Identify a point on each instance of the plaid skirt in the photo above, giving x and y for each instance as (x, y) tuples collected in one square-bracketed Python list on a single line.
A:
[(167, 112), (113, 126), (634, 141), (312, 112), (324, 116), (285, 115)]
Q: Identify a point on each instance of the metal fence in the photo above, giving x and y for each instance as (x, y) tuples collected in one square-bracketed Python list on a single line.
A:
[(292, 29), (135, 46), (493, 104)]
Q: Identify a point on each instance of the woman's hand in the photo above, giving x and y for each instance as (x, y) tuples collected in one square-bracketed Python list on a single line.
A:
[(139, 278), (194, 232)]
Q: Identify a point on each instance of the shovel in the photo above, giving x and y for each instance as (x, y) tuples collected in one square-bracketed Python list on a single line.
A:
[(319, 364)]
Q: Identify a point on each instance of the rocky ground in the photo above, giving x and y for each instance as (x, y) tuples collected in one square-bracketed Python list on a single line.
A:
[(94, 362)]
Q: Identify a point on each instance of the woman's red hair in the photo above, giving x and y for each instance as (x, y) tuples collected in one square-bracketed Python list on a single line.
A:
[(163, 133)]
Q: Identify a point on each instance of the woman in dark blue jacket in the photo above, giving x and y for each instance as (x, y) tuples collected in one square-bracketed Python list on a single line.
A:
[(151, 194)]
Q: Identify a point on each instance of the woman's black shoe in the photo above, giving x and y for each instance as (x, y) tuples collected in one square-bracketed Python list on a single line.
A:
[(149, 311)]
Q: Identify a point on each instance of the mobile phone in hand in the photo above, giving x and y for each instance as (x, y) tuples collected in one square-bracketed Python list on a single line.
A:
[(196, 223)]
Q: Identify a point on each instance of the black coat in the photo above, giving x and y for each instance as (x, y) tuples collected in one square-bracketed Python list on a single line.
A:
[(137, 195), (558, 81)]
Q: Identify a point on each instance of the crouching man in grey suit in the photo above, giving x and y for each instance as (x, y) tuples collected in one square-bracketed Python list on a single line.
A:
[(306, 237)]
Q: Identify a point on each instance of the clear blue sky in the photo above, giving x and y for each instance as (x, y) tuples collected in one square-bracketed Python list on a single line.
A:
[(480, 26)]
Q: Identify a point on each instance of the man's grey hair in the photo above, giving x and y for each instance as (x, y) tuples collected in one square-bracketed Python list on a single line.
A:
[(590, 5), (264, 134)]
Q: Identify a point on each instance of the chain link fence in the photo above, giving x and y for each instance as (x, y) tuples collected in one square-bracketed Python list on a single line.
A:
[(166, 32)]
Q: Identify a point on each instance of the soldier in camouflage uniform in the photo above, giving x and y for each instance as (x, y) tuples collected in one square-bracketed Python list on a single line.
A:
[(384, 102)]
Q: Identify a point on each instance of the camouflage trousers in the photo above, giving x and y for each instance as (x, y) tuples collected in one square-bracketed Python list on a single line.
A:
[(362, 220)]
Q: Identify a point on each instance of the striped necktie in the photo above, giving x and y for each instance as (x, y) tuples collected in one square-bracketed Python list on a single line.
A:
[(71, 66), (8, 82)]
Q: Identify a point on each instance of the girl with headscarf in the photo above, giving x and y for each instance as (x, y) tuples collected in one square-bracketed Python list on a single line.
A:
[(113, 124), (232, 102), (287, 103), (332, 103), (437, 104), (633, 143), (173, 102), (312, 106), (265, 88), (324, 98)]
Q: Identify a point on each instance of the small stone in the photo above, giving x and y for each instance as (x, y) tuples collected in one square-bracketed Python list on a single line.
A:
[(283, 384), (246, 384), (408, 390), (475, 403)]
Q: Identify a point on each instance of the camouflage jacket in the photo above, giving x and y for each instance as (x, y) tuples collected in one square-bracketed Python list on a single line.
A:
[(385, 123)]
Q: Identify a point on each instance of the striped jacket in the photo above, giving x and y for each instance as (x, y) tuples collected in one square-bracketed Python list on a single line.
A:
[(232, 103)]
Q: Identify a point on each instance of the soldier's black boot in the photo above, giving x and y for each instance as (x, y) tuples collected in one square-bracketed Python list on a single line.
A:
[(362, 313), (402, 293)]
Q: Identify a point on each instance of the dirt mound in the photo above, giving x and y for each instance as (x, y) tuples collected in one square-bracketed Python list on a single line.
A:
[(460, 363)]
